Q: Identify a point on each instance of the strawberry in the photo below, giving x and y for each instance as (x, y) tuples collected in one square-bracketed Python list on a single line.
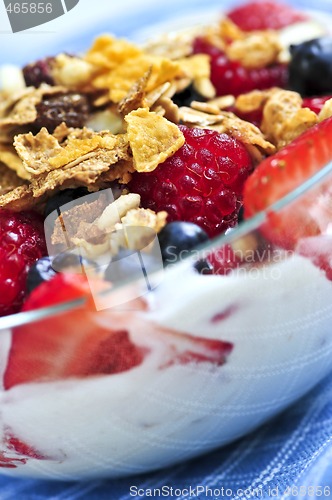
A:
[(279, 174), (83, 342), (264, 14)]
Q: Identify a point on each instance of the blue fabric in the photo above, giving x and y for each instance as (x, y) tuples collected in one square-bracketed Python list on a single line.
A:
[(290, 454)]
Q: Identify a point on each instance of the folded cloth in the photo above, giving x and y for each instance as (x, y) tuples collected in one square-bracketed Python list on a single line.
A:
[(289, 457)]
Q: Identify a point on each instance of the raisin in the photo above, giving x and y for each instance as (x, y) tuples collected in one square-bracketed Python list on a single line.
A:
[(38, 72), (73, 109)]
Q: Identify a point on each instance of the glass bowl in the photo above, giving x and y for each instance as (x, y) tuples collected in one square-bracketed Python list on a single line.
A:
[(211, 357)]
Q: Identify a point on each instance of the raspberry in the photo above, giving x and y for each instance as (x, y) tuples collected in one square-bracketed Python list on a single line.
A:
[(73, 109), (315, 103), (229, 77), (38, 72), (201, 183), (22, 242), (263, 15)]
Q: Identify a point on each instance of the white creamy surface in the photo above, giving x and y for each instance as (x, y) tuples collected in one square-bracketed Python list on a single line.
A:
[(147, 417)]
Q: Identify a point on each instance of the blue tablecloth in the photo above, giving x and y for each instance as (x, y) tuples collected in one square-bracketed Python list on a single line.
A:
[(290, 457)]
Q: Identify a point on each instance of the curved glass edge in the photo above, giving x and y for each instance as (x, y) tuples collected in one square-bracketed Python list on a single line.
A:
[(241, 230)]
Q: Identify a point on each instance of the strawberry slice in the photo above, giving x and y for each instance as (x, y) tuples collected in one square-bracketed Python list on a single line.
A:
[(265, 14), (67, 345), (84, 342), (17, 452), (279, 174)]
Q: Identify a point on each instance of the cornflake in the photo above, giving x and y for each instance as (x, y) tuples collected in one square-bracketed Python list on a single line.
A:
[(284, 119), (152, 139), (119, 64)]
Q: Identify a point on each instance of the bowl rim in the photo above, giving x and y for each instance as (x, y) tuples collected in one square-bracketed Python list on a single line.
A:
[(244, 228)]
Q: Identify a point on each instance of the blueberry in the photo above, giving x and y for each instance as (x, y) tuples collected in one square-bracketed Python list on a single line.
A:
[(45, 268), (39, 272), (186, 97), (177, 239), (203, 266), (310, 69), (63, 197)]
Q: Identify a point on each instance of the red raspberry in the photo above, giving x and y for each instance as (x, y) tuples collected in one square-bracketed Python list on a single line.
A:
[(201, 183), (22, 242), (315, 103), (264, 14), (229, 77)]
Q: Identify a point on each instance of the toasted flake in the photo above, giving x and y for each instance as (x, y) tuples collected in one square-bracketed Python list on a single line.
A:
[(326, 111), (19, 199), (205, 107), (230, 124), (9, 180), (136, 95), (21, 108), (36, 150), (256, 50), (109, 52), (196, 117), (119, 65), (254, 100), (152, 139), (222, 102), (9, 157), (68, 223), (284, 118)]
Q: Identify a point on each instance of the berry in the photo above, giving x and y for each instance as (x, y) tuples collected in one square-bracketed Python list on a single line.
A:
[(263, 15), (229, 77), (201, 183), (63, 197), (315, 103), (73, 109), (178, 238), (310, 68), (46, 268), (279, 174), (187, 96), (22, 242), (76, 346), (38, 72), (77, 343), (223, 260)]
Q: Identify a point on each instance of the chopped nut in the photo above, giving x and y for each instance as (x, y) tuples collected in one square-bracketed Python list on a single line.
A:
[(72, 72), (152, 139)]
